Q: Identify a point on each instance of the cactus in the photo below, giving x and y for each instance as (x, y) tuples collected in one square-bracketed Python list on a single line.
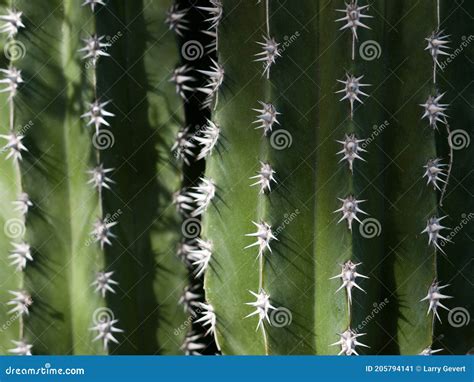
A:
[(370, 215), (333, 215)]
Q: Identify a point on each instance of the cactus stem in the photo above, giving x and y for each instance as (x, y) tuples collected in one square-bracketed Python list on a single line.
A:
[(12, 23), (434, 296), (348, 342)]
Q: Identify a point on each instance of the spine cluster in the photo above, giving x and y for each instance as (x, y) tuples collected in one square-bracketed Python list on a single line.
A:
[(266, 120), (96, 117)]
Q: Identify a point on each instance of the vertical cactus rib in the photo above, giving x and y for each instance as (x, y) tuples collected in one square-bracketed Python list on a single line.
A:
[(409, 145), (455, 335), (148, 116), (47, 113)]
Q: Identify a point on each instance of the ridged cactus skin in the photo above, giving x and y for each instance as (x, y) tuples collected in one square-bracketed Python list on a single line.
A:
[(58, 85), (236, 177), (310, 244)]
